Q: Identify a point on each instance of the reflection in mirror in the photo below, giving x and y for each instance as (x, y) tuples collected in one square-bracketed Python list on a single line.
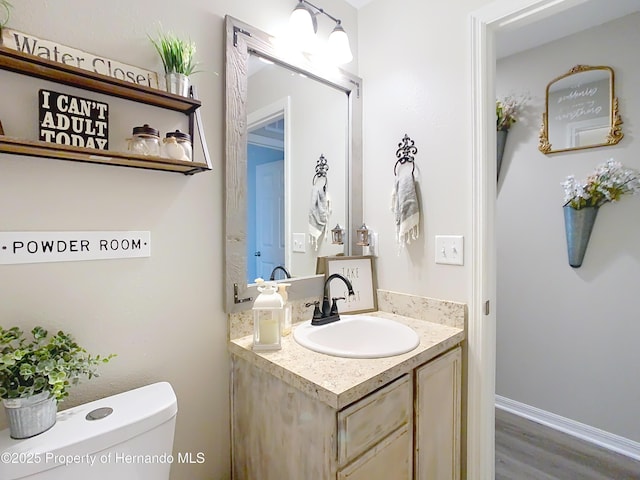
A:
[(293, 121), (282, 116), (581, 111)]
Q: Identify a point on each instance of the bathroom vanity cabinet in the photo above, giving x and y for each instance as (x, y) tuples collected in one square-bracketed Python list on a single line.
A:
[(402, 423)]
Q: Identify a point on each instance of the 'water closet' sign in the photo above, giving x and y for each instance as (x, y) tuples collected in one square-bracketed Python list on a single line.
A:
[(68, 120)]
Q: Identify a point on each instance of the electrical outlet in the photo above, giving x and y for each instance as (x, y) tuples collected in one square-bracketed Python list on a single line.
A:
[(299, 245), (450, 249)]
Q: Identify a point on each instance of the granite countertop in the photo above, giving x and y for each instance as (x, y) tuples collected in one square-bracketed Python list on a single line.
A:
[(339, 381)]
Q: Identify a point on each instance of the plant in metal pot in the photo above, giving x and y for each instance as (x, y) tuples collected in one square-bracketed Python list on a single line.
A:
[(508, 109), (608, 183), (178, 60), (36, 374)]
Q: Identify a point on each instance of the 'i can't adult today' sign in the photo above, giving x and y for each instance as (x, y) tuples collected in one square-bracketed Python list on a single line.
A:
[(69, 120)]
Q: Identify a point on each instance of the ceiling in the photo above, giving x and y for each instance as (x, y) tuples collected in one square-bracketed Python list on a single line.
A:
[(572, 20)]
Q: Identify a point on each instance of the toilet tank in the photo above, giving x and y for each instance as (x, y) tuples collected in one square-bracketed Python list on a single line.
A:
[(134, 442)]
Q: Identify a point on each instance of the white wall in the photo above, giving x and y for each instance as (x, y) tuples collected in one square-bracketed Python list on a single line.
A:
[(163, 315), (567, 338), (413, 59)]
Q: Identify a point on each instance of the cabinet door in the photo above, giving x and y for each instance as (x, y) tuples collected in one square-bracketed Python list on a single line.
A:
[(390, 459), (365, 423), (437, 418)]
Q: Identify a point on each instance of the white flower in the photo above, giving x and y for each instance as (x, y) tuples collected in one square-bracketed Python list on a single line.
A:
[(607, 184)]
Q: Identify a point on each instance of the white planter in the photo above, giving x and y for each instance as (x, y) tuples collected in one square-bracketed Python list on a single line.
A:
[(177, 83), (30, 416)]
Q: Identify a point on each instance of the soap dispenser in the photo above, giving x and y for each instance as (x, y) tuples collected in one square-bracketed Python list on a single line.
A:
[(288, 311), (268, 315)]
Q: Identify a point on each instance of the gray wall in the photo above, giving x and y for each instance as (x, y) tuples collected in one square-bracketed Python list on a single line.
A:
[(567, 338), (162, 315)]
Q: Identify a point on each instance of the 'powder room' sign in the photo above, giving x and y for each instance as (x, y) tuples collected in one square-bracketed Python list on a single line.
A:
[(68, 120), (39, 247), (27, 43)]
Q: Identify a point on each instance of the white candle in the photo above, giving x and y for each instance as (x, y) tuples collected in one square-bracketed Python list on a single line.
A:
[(269, 330)]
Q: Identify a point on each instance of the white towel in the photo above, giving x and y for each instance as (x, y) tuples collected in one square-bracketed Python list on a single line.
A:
[(319, 212), (405, 206)]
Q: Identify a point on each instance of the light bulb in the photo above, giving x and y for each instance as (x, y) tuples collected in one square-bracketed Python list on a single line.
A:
[(339, 46), (301, 25)]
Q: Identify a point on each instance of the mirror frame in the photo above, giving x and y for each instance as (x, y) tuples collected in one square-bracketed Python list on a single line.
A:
[(241, 41), (615, 130)]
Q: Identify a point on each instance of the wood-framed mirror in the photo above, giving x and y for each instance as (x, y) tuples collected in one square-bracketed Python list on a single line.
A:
[(274, 121), (581, 111)]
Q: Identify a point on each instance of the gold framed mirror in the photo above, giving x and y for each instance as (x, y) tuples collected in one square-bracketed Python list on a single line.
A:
[(581, 111)]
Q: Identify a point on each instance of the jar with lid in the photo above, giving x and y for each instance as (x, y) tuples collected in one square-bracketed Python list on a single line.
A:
[(145, 141), (184, 140)]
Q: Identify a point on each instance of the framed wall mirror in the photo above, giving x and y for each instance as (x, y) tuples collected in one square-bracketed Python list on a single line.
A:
[(581, 111), (285, 113)]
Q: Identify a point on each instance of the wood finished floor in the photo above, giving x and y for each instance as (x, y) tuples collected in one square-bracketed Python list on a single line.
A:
[(526, 450)]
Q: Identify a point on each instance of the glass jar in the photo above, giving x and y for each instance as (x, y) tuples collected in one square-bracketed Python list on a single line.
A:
[(145, 141), (184, 140)]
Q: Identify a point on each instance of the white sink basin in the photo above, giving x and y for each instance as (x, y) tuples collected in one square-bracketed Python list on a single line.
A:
[(358, 336)]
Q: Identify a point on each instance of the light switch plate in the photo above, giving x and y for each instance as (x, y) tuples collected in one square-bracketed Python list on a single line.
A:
[(299, 245), (450, 249)]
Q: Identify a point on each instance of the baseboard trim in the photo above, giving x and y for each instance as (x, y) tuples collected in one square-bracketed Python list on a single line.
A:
[(604, 439)]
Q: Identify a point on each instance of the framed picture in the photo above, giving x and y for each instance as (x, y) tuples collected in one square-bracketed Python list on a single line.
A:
[(361, 273)]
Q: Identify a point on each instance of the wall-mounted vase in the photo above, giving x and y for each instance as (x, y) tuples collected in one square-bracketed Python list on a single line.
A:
[(578, 225), (501, 137)]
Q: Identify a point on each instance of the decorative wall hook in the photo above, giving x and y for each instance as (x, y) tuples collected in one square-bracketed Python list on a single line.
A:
[(405, 153), (322, 166)]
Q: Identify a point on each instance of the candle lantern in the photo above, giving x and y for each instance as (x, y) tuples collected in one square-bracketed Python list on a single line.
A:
[(337, 235), (362, 236), (268, 316)]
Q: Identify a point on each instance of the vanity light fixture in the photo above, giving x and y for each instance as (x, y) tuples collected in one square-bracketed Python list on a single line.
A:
[(303, 24), (362, 235), (337, 235)]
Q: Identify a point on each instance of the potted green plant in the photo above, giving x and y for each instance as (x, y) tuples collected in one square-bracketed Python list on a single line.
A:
[(5, 13), (582, 200), (177, 57), (36, 374)]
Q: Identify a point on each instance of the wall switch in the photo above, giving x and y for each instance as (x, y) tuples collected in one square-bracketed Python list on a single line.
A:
[(450, 249), (299, 244)]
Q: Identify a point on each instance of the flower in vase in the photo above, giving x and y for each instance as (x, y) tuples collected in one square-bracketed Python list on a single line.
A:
[(607, 183)]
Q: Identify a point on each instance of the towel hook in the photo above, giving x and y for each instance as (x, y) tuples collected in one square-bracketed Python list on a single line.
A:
[(321, 170), (405, 153)]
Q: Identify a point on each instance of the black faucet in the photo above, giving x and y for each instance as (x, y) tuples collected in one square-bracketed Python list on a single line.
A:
[(279, 267), (329, 312)]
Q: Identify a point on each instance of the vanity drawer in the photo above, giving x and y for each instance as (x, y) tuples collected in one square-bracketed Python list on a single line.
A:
[(365, 423)]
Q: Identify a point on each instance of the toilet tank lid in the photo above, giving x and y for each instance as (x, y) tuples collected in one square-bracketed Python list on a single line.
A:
[(134, 413)]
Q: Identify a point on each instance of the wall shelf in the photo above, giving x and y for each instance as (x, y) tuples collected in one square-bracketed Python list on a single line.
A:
[(37, 67), (19, 146)]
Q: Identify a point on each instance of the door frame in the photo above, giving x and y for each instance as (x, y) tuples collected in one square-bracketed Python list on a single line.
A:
[(481, 331)]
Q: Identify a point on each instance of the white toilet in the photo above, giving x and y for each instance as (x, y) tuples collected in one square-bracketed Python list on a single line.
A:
[(134, 441)]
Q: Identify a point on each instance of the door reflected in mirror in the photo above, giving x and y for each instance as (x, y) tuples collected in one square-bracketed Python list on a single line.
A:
[(292, 121), (581, 111)]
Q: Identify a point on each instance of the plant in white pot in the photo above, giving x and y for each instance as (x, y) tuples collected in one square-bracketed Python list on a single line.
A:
[(5, 13), (35, 375), (177, 57)]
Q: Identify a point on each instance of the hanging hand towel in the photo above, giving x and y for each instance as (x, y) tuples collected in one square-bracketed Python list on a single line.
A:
[(405, 206), (318, 214)]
